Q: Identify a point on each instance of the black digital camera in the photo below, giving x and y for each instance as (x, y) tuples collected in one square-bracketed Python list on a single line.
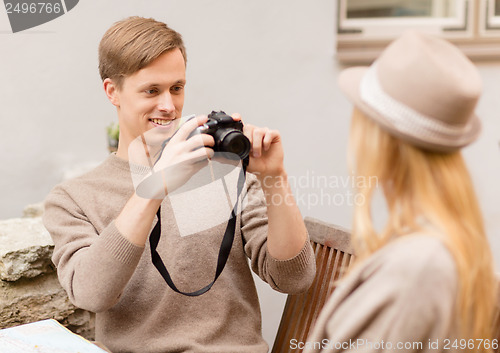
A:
[(227, 133)]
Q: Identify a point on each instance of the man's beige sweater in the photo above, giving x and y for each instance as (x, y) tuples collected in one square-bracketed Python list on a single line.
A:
[(136, 311)]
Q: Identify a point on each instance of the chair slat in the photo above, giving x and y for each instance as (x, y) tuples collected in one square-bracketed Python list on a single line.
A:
[(320, 297), (310, 295), (333, 254)]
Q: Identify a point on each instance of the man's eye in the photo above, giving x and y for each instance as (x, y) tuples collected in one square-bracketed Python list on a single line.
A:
[(177, 88), (151, 91)]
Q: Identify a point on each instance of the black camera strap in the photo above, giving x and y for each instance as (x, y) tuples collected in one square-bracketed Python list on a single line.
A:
[(225, 247)]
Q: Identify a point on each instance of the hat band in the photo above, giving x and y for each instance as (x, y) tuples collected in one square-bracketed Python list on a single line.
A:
[(403, 118)]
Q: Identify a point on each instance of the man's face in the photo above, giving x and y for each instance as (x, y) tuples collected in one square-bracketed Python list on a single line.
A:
[(152, 98)]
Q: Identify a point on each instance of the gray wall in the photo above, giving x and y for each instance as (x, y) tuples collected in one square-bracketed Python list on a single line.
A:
[(272, 61)]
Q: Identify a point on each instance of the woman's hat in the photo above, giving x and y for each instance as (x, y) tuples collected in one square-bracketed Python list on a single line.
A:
[(421, 89)]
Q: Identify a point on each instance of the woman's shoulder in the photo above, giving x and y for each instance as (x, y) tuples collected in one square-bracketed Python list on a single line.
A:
[(419, 251), (418, 262)]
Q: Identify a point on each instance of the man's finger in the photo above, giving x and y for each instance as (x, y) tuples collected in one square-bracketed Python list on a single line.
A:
[(258, 137), (236, 117), (198, 141), (271, 136), (188, 127), (201, 154), (248, 131)]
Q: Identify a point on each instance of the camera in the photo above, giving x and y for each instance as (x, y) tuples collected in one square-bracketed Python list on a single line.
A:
[(227, 134)]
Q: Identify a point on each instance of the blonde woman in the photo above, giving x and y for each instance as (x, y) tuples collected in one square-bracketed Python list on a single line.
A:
[(425, 282)]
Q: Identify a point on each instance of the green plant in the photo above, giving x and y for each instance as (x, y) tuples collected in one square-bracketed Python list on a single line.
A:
[(113, 131)]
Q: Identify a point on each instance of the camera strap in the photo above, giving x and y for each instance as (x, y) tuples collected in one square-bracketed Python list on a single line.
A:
[(225, 247)]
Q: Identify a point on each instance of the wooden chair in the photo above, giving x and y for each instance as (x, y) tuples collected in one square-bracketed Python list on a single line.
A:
[(332, 247)]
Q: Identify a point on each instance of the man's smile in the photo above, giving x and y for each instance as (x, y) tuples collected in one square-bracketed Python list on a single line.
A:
[(161, 122)]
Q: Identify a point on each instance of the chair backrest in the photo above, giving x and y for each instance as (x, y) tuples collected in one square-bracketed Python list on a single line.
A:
[(333, 250)]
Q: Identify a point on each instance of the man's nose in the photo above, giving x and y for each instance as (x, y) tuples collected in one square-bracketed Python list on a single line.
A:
[(166, 103)]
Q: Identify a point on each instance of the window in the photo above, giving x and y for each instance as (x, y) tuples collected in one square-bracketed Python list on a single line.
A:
[(365, 27), (492, 15)]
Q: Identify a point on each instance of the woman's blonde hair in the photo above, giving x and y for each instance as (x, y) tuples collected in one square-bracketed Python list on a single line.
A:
[(419, 184)]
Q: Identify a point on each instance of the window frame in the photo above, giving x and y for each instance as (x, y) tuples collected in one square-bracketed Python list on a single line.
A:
[(376, 27), (491, 23), (473, 30)]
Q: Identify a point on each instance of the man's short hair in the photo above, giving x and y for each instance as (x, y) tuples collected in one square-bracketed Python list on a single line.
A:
[(132, 44)]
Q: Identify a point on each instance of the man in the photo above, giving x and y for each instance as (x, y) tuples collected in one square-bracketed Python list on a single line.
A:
[(100, 225)]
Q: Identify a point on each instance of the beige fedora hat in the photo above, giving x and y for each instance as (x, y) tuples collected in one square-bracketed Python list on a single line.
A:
[(421, 89)]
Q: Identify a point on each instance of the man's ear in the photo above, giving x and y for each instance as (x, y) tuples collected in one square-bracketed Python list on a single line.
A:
[(111, 91)]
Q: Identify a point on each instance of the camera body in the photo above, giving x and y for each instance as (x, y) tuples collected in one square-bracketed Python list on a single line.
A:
[(227, 133)]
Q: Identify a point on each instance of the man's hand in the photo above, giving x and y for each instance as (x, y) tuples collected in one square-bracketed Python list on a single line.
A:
[(266, 154), (187, 151), (180, 159)]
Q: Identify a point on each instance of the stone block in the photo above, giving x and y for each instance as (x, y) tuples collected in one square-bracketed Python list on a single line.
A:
[(25, 249), (29, 288), (29, 300)]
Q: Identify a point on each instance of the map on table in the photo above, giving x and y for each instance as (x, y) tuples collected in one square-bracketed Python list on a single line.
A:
[(46, 336)]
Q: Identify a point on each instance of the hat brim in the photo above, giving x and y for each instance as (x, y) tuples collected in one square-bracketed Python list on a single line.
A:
[(349, 82)]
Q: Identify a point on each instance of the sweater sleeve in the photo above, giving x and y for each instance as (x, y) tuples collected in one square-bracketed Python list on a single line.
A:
[(397, 303), (93, 268), (294, 275)]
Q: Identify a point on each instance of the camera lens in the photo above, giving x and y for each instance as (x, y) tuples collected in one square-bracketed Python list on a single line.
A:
[(235, 142)]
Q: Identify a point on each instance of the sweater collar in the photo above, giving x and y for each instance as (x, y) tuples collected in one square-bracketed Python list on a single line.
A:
[(124, 164)]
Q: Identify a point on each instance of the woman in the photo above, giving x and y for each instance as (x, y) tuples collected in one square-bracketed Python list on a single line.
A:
[(425, 282)]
